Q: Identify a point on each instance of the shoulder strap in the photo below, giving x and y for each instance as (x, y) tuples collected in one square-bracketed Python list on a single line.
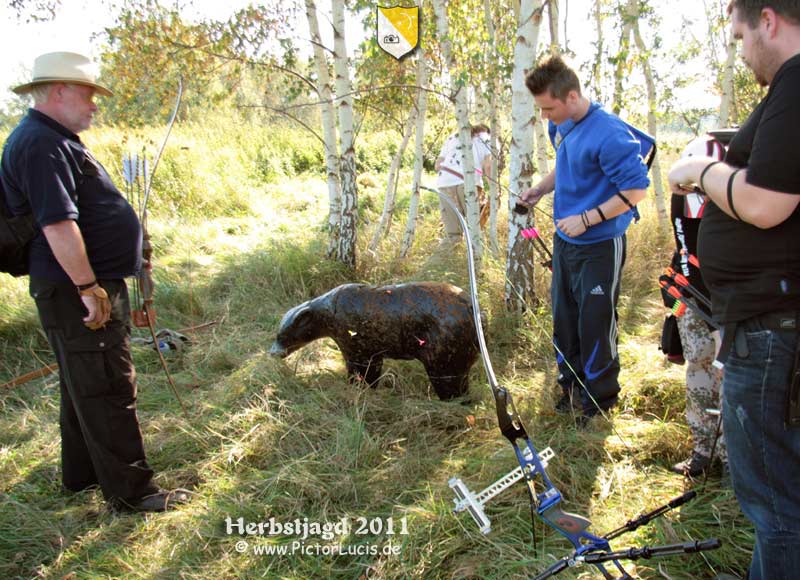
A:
[(646, 142)]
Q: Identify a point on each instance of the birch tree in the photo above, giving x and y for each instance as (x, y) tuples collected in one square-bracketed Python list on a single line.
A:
[(328, 129), (494, 128), (621, 61), (519, 290), (597, 66), (542, 142), (346, 244), (652, 106), (391, 184), (421, 106), (727, 104), (552, 13), (733, 79), (458, 86)]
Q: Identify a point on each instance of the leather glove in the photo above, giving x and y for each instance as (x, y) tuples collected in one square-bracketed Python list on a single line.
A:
[(98, 306)]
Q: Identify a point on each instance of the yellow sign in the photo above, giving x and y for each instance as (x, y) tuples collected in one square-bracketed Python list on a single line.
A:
[(398, 29)]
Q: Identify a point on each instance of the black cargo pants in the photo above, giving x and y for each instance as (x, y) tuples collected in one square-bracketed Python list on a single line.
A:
[(100, 438)]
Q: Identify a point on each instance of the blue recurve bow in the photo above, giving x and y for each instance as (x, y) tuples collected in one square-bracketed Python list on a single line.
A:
[(588, 547)]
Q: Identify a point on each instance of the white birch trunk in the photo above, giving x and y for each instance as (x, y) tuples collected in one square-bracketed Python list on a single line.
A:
[(459, 90), (552, 12), (542, 142), (726, 103), (622, 58), (519, 290), (346, 249), (494, 128), (597, 67), (328, 129), (422, 104), (391, 184), (652, 105)]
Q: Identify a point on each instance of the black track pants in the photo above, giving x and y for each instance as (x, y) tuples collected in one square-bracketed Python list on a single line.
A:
[(585, 291)]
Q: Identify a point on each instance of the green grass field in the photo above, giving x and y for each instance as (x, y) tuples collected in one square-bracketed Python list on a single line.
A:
[(291, 439)]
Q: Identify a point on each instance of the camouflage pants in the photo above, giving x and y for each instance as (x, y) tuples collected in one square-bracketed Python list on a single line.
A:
[(703, 383)]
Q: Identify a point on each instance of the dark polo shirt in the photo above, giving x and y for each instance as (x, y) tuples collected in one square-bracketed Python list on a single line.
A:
[(48, 171)]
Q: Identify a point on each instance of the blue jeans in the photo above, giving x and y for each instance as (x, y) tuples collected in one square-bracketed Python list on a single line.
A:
[(764, 456)]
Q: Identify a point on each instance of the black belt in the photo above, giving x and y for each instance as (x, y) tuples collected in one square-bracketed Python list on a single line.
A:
[(733, 333), (784, 320)]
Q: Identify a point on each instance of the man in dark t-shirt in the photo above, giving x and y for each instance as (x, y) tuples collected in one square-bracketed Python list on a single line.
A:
[(749, 247), (89, 240)]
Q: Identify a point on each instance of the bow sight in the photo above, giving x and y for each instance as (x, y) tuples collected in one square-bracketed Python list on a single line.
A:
[(588, 548)]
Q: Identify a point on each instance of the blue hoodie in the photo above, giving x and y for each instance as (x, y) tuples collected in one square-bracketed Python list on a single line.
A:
[(595, 158)]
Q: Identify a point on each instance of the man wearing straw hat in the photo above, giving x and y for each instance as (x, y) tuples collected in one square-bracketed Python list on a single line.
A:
[(89, 242)]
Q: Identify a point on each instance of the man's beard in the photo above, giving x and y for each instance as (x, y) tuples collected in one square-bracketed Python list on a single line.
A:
[(763, 59)]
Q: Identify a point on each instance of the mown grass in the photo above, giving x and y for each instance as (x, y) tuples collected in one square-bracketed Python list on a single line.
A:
[(293, 439)]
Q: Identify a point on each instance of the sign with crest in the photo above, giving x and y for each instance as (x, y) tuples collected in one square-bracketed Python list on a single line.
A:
[(398, 29)]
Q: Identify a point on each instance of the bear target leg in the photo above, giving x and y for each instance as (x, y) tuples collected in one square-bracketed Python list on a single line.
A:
[(448, 381), (369, 372)]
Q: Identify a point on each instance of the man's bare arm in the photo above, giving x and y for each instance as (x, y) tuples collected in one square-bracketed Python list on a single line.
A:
[(67, 244), (763, 208), (534, 194)]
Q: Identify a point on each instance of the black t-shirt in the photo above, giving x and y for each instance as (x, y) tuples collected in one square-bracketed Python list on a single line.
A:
[(48, 171), (750, 270)]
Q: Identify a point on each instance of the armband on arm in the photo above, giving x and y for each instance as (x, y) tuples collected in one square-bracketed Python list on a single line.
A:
[(626, 200)]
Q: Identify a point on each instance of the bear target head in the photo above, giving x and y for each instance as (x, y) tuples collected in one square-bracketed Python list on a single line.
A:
[(298, 327)]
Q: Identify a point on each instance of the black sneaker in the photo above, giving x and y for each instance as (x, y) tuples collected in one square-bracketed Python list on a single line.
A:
[(692, 467)]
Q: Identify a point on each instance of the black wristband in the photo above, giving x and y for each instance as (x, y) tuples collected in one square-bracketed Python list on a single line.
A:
[(730, 195), (703, 174), (625, 199), (82, 287), (600, 213)]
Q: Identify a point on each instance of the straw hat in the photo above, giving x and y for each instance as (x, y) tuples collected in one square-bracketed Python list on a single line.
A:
[(63, 67)]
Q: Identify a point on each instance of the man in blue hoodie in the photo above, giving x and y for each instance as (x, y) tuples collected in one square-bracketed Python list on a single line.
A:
[(598, 179)]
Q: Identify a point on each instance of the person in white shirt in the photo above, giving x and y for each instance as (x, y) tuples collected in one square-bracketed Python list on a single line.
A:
[(450, 180)]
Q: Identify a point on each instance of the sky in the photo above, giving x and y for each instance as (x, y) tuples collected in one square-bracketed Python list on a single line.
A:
[(78, 27), (79, 23)]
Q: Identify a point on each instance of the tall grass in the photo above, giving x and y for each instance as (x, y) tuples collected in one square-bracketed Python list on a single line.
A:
[(240, 244)]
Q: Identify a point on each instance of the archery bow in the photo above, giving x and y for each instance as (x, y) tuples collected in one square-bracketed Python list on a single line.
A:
[(145, 316), (588, 548)]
